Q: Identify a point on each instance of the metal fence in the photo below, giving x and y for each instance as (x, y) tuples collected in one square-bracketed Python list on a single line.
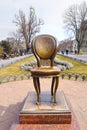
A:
[(69, 76), (75, 76)]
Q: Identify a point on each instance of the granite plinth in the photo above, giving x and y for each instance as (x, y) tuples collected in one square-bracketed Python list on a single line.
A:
[(46, 112)]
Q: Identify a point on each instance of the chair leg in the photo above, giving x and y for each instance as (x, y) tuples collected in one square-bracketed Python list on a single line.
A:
[(37, 88), (38, 82), (56, 87), (52, 86)]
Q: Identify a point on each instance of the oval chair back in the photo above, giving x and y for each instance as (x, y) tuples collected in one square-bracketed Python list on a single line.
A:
[(44, 47)]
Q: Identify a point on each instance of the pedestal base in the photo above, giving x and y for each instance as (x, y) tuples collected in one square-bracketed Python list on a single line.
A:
[(46, 112)]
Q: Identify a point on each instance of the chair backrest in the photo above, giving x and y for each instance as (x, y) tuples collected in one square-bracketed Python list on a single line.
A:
[(44, 47)]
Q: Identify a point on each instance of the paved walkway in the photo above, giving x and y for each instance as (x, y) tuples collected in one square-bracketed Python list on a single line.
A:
[(12, 95), (9, 61), (81, 58)]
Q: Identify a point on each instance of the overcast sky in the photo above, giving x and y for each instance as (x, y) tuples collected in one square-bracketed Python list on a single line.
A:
[(51, 11)]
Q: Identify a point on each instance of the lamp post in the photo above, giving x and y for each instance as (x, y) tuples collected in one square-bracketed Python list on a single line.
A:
[(32, 10)]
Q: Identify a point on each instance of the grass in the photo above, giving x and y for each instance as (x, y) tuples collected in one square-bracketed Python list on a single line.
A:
[(78, 67), (15, 69)]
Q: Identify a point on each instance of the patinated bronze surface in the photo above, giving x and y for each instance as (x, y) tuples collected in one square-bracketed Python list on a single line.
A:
[(45, 47)]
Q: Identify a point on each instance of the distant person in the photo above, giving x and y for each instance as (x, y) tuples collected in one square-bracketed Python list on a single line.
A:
[(63, 52), (67, 52), (4, 56), (75, 51)]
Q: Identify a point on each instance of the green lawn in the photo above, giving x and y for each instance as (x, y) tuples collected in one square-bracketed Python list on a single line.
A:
[(15, 69), (78, 67)]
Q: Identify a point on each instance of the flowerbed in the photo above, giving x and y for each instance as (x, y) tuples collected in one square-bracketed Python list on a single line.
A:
[(63, 65)]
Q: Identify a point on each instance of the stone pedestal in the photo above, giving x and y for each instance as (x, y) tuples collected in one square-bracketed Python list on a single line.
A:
[(46, 112)]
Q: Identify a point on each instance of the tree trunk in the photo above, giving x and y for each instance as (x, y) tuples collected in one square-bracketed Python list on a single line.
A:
[(78, 50), (78, 47)]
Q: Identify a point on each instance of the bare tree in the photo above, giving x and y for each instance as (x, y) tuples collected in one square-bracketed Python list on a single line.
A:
[(17, 37), (75, 20), (28, 27)]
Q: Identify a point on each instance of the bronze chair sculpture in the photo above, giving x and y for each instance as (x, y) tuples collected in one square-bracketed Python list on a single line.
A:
[(45, 47)]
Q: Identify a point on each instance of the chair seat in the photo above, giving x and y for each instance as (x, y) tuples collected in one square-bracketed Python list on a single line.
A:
[(45, 71)]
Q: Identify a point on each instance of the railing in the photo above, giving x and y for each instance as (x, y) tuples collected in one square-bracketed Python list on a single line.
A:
[(75, 76), (69, 76)]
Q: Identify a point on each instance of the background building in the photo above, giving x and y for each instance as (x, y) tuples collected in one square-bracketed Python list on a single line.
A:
[(68, 46)]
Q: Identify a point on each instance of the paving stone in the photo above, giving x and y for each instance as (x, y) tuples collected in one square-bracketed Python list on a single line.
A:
[(13, 94)]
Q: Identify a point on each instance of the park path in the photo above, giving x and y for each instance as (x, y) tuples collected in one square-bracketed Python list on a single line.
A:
[(12, 95), (81, 58), (9, 61)]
